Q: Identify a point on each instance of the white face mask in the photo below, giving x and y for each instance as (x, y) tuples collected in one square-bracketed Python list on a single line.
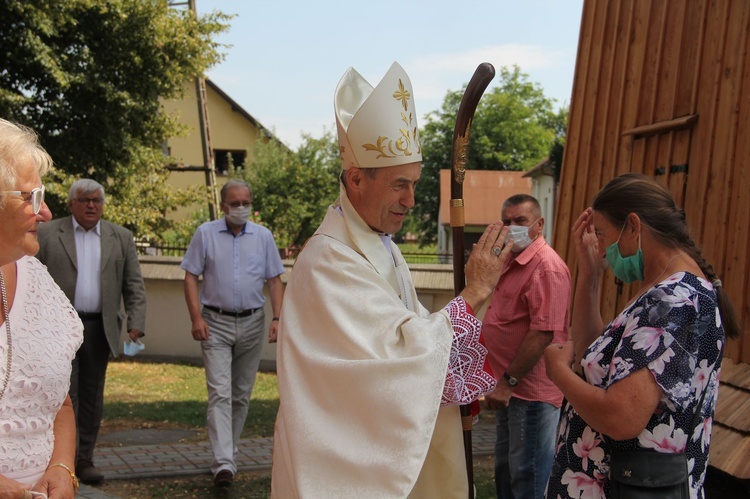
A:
[(239, 215), (520, 236)]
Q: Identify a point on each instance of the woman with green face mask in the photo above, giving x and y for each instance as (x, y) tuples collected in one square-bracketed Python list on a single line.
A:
[(648, 380)]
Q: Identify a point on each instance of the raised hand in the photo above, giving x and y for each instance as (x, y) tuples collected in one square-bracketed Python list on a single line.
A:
[(485, 264), (590, 262)]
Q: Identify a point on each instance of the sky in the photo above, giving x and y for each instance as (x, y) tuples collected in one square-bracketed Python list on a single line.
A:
[(284, 58)]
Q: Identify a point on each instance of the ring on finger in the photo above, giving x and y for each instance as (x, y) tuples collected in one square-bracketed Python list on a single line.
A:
[(496, 250)]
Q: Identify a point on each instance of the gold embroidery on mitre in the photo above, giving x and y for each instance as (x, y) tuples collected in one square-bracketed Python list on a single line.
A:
[(402, 94), (387, 147)]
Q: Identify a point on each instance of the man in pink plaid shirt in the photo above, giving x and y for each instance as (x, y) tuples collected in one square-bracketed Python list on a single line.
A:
[(529, 310)]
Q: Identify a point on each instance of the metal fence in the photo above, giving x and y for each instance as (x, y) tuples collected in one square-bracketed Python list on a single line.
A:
[(145, 248), (428, 257), (155, 250)]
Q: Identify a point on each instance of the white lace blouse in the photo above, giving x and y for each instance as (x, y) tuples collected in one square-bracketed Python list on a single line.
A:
[(45, 333)]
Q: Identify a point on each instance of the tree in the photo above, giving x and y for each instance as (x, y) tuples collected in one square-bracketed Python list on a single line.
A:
[(88, 76), (292, 191), (513, 128)]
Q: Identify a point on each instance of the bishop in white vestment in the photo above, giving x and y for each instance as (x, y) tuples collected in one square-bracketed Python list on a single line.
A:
[(369, 380)]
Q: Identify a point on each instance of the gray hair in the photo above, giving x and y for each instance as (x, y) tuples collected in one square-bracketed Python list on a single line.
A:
[(368, 172), (84, 186), (231, 184), (19, 145)]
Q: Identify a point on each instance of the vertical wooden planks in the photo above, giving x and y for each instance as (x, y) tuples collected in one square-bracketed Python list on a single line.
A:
[(735, 244), (639, 79), (671, 149), (641, 62), (574, 172), (707, 96), (661, 60), (719, 161), (620, 77)]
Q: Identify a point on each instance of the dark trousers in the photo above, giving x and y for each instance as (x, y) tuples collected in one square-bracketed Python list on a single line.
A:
[(87, 388)]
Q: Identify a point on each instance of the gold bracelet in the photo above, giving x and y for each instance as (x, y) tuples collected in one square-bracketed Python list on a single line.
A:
[(72, 475)]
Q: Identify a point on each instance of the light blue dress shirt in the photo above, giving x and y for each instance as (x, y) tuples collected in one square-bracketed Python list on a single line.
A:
[(234, 268)]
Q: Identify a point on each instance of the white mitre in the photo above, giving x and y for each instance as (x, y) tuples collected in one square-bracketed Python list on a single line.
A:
[(377, 127)]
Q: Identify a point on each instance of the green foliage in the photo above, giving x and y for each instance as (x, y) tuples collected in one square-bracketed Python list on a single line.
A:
[(292, 191), (417, 253), (418, 248), (513, 128), (182, 232), (557, 150), (556, 156), (88, 76)]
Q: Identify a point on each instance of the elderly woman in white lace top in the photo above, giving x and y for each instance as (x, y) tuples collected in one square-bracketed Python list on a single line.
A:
[(39, 335)]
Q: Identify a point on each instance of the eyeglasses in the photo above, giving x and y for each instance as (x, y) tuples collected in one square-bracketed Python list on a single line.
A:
[(237, 204), (86, 201), (35, 197)]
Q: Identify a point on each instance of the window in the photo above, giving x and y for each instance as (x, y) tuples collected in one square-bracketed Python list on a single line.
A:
[(224, 159)]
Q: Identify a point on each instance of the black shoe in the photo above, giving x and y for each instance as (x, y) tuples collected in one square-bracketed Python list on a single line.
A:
[(224, 478), (90, 475)]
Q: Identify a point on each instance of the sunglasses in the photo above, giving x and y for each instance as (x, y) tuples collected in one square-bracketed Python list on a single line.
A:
[(35, 197)]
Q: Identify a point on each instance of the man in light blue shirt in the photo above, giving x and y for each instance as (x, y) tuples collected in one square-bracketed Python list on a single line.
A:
[(236, 257)]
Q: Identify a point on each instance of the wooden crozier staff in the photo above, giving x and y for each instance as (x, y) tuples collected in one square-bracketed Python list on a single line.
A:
[(483, 75)]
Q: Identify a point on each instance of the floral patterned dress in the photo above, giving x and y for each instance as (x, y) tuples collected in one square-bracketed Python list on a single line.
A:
[(674, 330)]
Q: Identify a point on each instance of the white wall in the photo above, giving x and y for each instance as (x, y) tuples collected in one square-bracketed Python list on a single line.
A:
[(168, 323)]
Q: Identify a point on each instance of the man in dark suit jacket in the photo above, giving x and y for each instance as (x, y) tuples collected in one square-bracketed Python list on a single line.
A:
[(96, 265)]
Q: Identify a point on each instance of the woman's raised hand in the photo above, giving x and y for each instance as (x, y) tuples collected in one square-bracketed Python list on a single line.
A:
[(590, 262)]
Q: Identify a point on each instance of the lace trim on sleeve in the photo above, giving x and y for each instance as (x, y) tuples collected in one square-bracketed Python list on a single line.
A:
[(469, 376)]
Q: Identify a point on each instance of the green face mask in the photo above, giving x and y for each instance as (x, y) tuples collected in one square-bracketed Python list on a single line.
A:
[(626, 268)]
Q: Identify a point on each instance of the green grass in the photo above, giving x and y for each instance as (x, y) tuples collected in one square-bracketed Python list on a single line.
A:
[(484, 477), (176, 394)]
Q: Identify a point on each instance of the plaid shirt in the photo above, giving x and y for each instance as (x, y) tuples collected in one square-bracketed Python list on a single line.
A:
[(533, 293)]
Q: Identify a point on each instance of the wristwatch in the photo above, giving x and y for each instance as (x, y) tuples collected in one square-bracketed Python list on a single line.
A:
[(510, 379)]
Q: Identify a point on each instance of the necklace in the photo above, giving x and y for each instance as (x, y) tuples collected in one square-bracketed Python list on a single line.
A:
[(646, 288), (7, 331), (665, 269)]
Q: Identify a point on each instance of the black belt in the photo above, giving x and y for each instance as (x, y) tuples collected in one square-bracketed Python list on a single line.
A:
[(90, 316), (241, 313)]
